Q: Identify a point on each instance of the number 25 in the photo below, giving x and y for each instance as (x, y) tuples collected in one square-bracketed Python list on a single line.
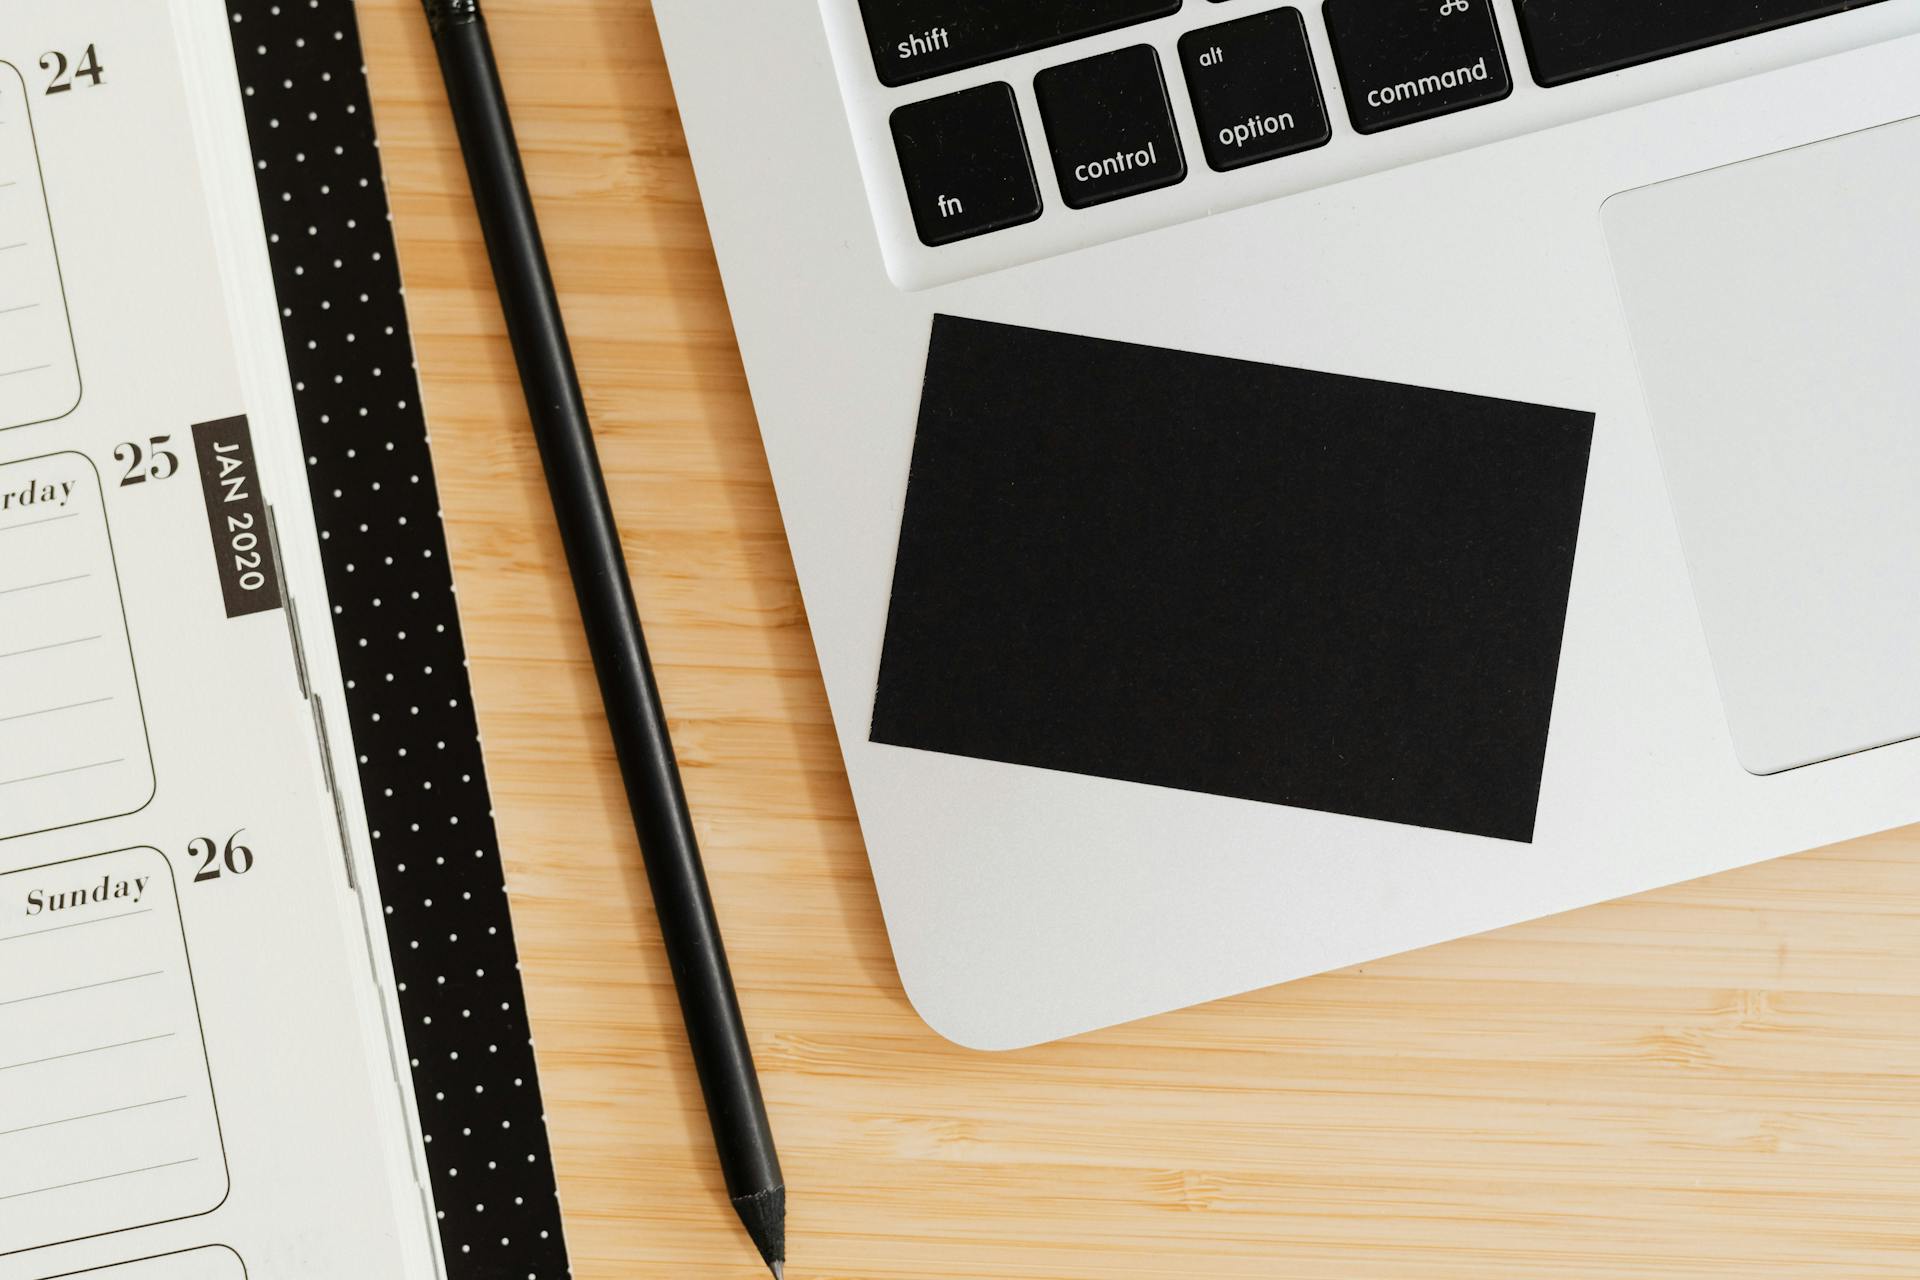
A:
[(163, 462)]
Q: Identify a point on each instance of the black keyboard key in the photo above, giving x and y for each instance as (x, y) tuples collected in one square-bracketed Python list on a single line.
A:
[(1573, 39), (1110, 126), (1255, 93), (964, 158), (1407, 60), (914, 39)]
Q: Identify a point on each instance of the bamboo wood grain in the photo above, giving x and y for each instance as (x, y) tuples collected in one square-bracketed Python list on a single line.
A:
[(1716, 1080)]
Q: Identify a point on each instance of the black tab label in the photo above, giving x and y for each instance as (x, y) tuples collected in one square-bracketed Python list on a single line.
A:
[(236, 516)]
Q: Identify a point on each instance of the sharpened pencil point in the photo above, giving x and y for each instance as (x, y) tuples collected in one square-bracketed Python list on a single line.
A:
[(764, 1213)]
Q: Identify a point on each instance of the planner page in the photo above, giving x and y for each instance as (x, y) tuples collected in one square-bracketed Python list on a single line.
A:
[(39, 378), (196, 1078)]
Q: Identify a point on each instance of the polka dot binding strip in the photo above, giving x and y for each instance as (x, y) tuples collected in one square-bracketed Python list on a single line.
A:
[(345, 328)]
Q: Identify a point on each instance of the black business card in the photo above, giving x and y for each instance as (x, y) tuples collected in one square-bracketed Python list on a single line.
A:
[(1243, 579)]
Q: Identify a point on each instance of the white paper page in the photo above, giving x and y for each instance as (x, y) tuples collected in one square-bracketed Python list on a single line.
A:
[(39, 378), (96, 987), (195, 1080), (213, 1263), (73, 739)]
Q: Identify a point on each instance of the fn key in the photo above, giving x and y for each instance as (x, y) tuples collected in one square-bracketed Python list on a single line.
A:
[(964, 158)]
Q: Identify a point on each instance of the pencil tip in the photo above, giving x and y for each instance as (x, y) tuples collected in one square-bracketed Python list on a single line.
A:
[(764, 1214)]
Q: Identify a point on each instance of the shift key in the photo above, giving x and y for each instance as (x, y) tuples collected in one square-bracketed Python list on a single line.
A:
[(1402, 61), (914, 39)]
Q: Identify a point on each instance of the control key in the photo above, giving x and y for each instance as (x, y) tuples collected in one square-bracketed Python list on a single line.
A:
[(1110, 126)]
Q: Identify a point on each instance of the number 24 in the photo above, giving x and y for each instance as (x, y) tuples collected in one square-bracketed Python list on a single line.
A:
[(88, 68)]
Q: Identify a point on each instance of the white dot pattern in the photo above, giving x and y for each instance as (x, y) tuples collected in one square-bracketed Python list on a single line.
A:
[(344, 321)]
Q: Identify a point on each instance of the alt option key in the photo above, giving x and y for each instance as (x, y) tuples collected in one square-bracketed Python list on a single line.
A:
[(1255, 94), (964, 159)]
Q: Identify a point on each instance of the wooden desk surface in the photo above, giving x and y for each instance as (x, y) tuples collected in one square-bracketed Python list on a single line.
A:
[(1716, 1080)]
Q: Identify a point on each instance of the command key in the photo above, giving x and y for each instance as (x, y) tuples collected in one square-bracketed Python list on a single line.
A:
[(1406, 60)]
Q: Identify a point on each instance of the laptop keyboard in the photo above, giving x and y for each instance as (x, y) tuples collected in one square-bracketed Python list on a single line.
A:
[(1108, 125)]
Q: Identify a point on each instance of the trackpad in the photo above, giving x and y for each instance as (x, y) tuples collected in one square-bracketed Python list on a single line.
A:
[(1773, 311)]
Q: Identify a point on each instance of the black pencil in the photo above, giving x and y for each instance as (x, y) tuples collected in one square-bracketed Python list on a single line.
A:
[(694, 951)]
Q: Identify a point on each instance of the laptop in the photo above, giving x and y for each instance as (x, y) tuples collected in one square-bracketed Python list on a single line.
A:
[(1277, 485)]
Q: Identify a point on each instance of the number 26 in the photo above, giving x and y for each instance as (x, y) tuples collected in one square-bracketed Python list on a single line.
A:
[(236, 857)]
